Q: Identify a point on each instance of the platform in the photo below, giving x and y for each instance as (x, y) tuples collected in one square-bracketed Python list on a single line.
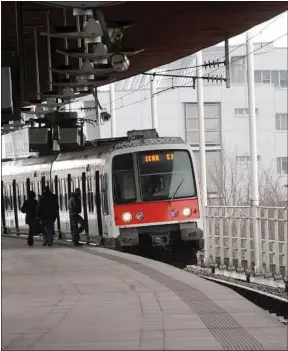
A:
[(92, 298)]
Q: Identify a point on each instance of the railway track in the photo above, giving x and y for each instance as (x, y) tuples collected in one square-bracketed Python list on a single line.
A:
[(273, 300)]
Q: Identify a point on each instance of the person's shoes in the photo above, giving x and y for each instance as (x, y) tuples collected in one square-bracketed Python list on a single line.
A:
[(49, 244), (44, 244), (78, 244)]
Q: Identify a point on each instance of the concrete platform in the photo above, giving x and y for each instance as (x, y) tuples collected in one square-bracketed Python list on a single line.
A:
[(61, 298)]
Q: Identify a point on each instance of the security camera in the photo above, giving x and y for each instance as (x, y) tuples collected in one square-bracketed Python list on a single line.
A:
[(117, 35), (105, 116)]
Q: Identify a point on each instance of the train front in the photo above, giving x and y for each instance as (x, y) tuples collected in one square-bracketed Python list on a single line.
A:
[(157, 210)]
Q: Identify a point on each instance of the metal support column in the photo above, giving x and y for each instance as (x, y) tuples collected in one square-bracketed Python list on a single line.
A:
[(202, 150), (66, 41), (37, 63), (49, 50), (112, 110), (153, 102), (20, 47), (253, 150), (79, 40)]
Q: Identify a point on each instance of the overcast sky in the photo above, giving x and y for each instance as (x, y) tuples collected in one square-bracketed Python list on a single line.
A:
[(267, 31)]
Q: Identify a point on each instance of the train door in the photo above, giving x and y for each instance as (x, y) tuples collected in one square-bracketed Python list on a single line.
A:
[(91, 208), (20, 193), (4, 208), (65, 190)]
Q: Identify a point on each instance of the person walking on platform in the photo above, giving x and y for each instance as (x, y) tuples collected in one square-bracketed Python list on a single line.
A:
[(29, 207), (47, 212), (75, 209)]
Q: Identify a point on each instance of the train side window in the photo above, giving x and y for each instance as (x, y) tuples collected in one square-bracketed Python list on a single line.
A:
[(10, 197), (104, 185), (90, 195), (18, 194), (60, 195), (66, 195)]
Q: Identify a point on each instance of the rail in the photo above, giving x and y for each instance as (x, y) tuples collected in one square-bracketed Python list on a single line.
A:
[(232, 236)]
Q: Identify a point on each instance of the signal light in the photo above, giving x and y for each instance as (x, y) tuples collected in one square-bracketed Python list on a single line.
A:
[(173, 213)]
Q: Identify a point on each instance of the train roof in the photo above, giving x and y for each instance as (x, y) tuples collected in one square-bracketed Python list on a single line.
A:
[(92, 150)]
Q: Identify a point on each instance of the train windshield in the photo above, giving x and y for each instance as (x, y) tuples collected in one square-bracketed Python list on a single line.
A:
[(123, 179), (165, 174)]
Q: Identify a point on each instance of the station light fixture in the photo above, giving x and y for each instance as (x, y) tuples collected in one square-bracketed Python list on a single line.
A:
[(93, 29)]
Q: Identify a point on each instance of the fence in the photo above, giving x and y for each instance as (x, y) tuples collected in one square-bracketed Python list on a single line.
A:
[(232, 238)]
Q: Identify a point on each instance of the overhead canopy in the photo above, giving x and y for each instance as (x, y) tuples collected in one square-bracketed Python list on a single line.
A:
[(166, 31)]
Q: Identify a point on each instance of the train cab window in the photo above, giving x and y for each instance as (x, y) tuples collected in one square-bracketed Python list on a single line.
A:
[(123, 179), (165, 174)]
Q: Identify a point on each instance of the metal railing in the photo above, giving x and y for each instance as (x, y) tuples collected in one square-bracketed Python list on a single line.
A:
[(232, 236)]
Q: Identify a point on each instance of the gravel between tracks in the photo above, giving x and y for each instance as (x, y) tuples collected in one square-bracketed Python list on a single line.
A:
[(277, 291)]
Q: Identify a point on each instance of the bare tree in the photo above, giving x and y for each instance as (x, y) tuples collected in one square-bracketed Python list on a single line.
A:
[(232, 182)]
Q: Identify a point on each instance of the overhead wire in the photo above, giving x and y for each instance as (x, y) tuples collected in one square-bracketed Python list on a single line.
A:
[(195, 67), (238, 58)]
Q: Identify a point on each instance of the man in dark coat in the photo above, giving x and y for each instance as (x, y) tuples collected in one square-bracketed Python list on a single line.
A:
[(75, 209), (47, 212), (29, 207)]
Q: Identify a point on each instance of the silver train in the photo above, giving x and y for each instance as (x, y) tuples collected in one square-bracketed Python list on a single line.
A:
[(138, 194)]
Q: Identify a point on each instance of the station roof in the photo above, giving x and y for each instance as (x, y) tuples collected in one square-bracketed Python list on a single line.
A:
[(166, 31)]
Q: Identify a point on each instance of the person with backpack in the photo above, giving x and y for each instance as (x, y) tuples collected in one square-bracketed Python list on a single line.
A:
[(29, 208), (47, 212)]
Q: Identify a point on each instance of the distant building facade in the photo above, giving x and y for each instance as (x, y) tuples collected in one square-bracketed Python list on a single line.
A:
[(226, 110)]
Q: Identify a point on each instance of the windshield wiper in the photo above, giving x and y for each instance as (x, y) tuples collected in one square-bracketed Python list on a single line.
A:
[(177, 189)]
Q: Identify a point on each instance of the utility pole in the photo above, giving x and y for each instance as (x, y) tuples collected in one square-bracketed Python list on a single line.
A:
[(253, 149), (112, 110), (202, 150), (153, 102)]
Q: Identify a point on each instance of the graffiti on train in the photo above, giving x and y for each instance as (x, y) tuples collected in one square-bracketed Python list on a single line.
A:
[(141, 142)]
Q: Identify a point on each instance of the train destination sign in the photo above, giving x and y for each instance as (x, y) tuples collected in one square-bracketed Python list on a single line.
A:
[(154, 158)]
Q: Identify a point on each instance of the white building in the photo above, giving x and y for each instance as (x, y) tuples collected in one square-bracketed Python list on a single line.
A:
[(226, 110)]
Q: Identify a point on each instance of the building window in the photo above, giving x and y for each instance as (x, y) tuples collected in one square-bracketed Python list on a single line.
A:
[(277, 78), (282, 165), (212, 122), (244, 112), (281, 120), (238, 69), (246, 159)]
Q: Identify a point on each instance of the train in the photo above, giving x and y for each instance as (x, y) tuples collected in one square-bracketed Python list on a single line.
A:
[(140, 193)]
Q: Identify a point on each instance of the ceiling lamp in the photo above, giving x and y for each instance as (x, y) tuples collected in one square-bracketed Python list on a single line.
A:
[(101, 51), (86, 67), (94, 31), (120, 62), (68, 93)]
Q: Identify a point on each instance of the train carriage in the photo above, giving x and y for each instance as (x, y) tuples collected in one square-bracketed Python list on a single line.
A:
[(139, 193)]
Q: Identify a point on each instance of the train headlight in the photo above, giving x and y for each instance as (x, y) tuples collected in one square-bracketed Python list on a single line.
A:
[(186, 211), (173, 212), (126, 217), (140, 216)]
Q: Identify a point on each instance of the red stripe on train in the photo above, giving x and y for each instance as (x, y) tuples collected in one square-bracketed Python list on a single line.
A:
[(157, 211)]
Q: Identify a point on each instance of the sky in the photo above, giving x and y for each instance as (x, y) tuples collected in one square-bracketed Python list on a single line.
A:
[(266, 32)]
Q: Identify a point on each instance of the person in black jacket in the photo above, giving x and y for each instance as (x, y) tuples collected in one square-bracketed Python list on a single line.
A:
[(47, 212), (75, 209), (29, 207)]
